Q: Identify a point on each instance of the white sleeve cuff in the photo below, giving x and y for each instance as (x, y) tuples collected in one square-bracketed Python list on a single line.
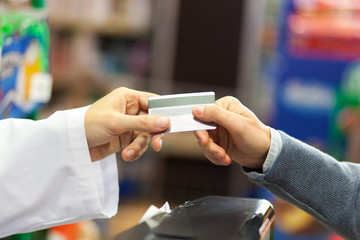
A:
[(107, 182), (274, 151), (101, 194)]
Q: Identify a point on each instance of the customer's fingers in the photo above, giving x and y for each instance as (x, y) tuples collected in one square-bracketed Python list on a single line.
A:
[(215, 153), (203, 137), (219, 115)]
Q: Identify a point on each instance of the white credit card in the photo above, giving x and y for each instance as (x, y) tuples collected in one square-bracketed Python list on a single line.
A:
[(178, 107)]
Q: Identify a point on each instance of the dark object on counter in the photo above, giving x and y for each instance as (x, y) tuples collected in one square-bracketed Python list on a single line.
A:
[(209, 218)]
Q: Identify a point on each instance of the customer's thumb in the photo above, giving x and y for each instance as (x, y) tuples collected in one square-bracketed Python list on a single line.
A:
[(213, 113)]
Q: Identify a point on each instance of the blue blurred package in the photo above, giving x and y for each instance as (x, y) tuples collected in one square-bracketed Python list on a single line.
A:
[(25, 82)]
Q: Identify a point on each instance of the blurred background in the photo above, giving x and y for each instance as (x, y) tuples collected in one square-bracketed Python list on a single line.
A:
[(295, 63)]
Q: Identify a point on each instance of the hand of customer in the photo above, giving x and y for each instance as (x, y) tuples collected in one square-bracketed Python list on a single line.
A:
[(119, 121), (240, 136)]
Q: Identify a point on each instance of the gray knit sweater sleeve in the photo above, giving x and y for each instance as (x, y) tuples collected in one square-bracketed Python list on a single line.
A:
[(317, 183)]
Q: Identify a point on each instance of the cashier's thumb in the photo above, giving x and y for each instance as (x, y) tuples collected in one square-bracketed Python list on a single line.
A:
[(145, 123)]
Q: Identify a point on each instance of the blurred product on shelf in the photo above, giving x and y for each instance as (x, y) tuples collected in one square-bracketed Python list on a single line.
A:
[(73, 57), (26, 86), (96, 46), (108, 16), (317, 51), (344, 130), (326, 32), (326, 7), (25, 82), (83, 230), (318, 46), (325, 29)]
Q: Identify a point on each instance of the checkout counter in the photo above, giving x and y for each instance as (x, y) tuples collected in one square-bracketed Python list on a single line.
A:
[(209, 218)]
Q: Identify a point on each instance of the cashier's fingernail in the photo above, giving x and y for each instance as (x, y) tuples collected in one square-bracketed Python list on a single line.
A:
[(162, 122), (130, 153), (199, 110)]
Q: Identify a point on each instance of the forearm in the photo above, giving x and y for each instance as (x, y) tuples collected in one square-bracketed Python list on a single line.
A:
[(317, 183), (47, 177)]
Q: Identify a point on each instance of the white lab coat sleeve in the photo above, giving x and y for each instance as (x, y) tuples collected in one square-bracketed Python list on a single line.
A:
[(47, 177)]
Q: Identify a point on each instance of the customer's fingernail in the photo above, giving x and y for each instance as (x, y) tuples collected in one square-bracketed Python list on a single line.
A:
[(162, 122), (199, 110), (130, 153)]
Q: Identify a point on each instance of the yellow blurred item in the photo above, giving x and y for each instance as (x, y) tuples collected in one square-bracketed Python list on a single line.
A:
[(293, 220)]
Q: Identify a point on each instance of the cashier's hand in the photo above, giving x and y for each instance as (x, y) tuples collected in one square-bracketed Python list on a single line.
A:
[(240, 136), (119, 121)]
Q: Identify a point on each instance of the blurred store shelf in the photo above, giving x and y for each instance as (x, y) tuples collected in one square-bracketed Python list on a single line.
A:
[(114, 25)]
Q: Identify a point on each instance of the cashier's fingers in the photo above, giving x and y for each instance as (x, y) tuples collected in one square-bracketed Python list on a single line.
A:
[(212, 151), (156, 142), (136, 148), (126, 138), (141, 123)]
